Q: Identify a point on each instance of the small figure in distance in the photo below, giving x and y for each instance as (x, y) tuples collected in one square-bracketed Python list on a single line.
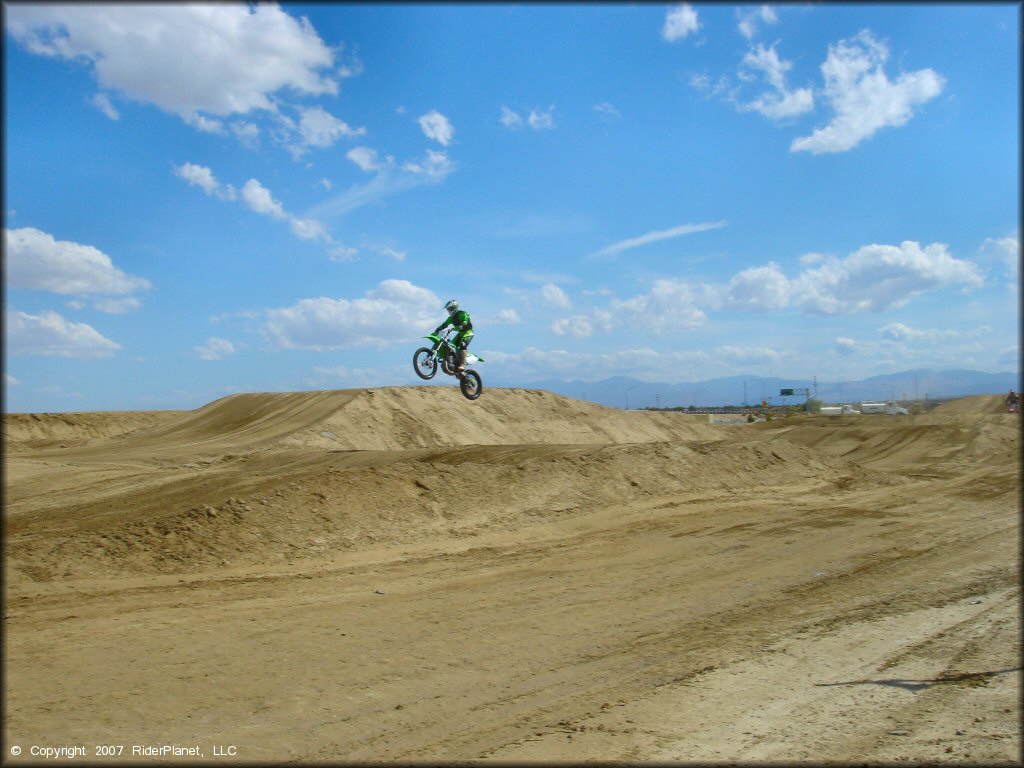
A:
[(1012, 402)]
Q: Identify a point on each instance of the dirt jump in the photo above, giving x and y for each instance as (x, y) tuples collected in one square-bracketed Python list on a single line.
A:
[(399, 575)]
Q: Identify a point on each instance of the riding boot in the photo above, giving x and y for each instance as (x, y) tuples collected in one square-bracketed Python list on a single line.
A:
[(462, 361)]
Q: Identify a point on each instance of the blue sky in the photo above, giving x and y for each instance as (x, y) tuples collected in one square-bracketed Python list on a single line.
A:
[(203, 200)]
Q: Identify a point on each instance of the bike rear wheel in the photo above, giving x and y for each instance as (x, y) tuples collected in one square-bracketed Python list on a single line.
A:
[(424, 363), (471, 384)]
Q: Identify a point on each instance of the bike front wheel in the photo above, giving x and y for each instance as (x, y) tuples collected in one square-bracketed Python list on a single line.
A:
[(424, 363)]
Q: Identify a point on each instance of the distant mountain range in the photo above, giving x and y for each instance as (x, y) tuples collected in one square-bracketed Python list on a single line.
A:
[(624, 392)]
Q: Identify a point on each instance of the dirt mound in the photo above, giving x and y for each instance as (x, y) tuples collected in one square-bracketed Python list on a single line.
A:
[(977, 405), (43, 430), (390, 418), (946, 439)]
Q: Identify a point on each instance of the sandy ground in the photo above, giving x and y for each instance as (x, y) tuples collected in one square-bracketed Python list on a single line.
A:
[(399, 574)]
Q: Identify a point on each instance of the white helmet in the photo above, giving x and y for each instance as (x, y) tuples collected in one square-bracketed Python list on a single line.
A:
[(452, 306)]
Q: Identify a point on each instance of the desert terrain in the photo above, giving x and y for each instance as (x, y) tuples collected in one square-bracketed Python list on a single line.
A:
[(402, 575)]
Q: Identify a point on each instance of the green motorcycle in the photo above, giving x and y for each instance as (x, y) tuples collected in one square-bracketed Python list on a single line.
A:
[(442, 354)]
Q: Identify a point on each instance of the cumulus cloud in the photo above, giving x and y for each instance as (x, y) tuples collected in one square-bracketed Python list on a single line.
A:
[(862, 96), (510, 119), (117, 306), (215, 349), (875, 278), (36, 260), (366, 159), (670, 305), (904, 333), (102, 102), (651, 237), (536, 120), (553, 296), (759, 289), (581, 326), (394, 311), (220, 59), (202, 177), (507, 317), (680, 22), (780, 102), (205, 63), (437, 127), (49, 334), (878, 277), (750, 20), (1006, 250), (541, 120), (319, 128), (259, 199)]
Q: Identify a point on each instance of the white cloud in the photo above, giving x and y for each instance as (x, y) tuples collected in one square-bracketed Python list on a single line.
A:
[(1006, 250), (117, 306), (780, 102), (246, 132), (671, 305), (680, 22), (862, 96), (878, 277), (49, 334), (10, 380), (553, 296), (221, 59), (206, 124), (215, 349), (510, 119), (388, 181), (507, 317), (904, 333), (202, 177), (309, 229), (102, 102), (365, 158), (395, 311), (35, 260), (541, 120), (393, 253), (846, 346), (435, 165), (651, 237), (759, 289), (437, 127), (750, 20), (258, 197), (538, 121), (581, 326), (607, 111), (319, 128)]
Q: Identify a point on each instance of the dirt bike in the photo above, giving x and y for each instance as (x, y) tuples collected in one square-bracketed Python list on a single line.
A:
[(443, 354)]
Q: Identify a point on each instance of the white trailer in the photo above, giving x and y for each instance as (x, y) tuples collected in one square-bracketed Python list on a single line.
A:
[(838, 410), (889, 407)]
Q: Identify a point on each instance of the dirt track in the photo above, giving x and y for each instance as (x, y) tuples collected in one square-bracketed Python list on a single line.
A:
[(397, 575)]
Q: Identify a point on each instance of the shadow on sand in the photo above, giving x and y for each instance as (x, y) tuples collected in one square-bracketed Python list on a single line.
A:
[(973, 679)]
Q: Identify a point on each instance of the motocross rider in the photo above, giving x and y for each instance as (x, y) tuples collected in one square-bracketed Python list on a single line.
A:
[(459, 319)]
